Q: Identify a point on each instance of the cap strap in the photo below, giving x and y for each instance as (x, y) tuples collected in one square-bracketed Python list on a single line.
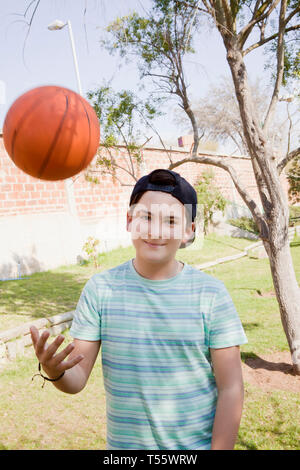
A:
[(159, 187)]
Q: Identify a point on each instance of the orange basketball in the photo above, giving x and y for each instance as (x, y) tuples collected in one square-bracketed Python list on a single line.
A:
[(51, 133)]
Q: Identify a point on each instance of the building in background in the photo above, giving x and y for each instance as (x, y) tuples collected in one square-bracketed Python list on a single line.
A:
[(186, 142)]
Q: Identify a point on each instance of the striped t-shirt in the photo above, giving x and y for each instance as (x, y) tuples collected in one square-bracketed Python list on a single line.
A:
[(155, 338)]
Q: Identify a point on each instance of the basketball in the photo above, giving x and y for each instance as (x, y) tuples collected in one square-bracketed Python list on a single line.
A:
[(51, 133)]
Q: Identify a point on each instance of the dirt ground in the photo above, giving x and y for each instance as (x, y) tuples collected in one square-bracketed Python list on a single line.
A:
[(272, 372)]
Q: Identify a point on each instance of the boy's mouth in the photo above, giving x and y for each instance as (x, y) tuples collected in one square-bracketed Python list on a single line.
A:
[(154, 244)]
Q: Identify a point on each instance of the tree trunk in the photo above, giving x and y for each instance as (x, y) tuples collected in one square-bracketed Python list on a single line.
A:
[(273, 224), (287, 293)]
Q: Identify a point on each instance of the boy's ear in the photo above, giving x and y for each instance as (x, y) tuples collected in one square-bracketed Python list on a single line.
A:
[(188, 235), (191, 228), (128, 223)]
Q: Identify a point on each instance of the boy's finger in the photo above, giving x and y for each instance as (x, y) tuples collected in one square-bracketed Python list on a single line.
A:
[(34, 332), (40, 345), (63, 354), (72, 362), (51, 350)]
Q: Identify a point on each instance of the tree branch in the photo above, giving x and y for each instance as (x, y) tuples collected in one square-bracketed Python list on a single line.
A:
[(280, 65), (219, 162), (290, 127), (208, 10), (158, 135), (228, 15), (290, 156), (28, 23), (126, 144), (211, 11), (245, 32), (255, 9), (270, 38), (121, 183), (293, 13), (115, 165)]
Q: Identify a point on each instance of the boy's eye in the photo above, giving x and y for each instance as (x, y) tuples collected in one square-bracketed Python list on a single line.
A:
[(148, 217)]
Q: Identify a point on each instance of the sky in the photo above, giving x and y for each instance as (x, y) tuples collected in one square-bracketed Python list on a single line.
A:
[(47, 56)]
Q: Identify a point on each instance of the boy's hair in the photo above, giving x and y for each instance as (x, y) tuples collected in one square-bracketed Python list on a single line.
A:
[(165, 178)]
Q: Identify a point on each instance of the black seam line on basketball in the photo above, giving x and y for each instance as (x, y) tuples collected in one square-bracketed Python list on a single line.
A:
[(20, 124), (48, 156), (13, 145), (89, 142), (72, 131)]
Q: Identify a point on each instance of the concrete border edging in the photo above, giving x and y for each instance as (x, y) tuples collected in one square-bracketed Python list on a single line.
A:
[(14, 340), (245, 252)]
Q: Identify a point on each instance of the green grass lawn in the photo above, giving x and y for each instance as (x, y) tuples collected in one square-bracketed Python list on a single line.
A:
[(43, 418), (38, 418)]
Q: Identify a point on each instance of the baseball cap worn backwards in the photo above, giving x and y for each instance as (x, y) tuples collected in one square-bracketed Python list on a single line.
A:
[(177, 186)]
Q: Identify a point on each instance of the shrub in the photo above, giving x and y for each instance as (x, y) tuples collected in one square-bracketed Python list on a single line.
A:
[(210, 198), (294, 212), (245, 223), (90, 248)]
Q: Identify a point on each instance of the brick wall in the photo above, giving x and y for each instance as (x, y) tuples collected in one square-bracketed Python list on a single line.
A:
[(22, 194), (44, 224)]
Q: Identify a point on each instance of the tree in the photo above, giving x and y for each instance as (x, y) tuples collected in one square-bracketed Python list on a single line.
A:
[(218, 117), (124, 119), (160, 42)]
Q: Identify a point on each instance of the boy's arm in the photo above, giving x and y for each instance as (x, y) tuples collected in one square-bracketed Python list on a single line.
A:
[(229, 379), (82, 356)]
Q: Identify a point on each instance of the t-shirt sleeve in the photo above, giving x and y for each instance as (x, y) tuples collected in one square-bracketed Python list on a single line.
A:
[(225, 325), (86, 322)]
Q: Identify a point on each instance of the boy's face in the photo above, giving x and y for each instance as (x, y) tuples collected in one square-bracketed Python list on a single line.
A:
[(158, 226)]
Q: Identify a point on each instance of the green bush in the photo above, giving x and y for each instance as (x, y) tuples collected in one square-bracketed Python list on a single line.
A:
[(245, 223)]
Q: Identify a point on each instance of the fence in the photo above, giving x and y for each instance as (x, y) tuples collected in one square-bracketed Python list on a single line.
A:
[(14, 341)]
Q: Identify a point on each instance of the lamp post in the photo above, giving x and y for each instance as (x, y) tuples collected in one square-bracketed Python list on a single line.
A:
[(57, 24)]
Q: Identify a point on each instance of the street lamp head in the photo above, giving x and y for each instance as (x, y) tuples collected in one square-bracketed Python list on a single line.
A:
[(57, 24)]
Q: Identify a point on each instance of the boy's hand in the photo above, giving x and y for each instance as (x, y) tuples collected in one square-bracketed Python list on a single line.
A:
[(53, 364)]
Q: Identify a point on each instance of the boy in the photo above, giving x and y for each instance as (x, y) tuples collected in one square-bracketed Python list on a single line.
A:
[(169, 334)]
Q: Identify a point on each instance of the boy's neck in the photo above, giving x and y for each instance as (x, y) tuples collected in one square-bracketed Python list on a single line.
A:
[(157, 272)]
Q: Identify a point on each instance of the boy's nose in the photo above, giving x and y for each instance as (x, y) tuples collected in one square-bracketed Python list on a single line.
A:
[(155, 229)]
